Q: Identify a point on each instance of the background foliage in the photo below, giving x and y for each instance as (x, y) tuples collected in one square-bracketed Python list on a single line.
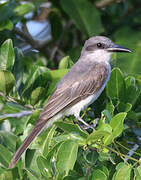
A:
[(40, 41)]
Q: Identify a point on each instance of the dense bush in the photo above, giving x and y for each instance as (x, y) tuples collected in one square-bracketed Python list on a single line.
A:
[(40, 41)]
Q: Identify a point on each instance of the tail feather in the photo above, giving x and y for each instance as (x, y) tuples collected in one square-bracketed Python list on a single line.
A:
[(35, 132)]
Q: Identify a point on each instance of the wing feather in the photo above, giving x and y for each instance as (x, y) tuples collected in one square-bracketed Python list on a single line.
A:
[(67, 94)]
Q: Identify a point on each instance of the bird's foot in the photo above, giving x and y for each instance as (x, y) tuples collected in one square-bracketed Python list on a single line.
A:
[(85, 125)]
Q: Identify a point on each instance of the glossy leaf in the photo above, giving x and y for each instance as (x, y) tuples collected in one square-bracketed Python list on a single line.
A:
[(138, 172), (31, 163), (7, 57), (33, 79), (117, 124), (24, 9), (5, 156), (32, 174), (8, 139), (7, 24), (41, 76), (98, 174), (71, 128), (96, 135), (18, 69), (7, 81), (48, 141), (84, 14), (66, 156), (64, 62), (44, 166), (124, 107), (123, 173), (36, 95)]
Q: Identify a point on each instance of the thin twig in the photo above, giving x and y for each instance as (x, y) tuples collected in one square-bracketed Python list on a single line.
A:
[(7, 97), (104, 3), (17, 115)]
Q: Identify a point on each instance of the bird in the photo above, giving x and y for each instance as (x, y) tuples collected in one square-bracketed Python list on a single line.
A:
[(79, 88)]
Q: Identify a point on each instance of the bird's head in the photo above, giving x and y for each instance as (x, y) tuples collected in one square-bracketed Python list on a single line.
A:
[(101, 46)]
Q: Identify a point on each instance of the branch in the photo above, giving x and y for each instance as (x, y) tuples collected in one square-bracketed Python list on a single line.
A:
[(16, 115), (41, 46), (27, 38), (104, 3), (8, 98)]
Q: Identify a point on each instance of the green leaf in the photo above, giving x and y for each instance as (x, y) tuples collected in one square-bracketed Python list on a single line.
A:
[(105, 127), (5, 156), (53, 77), (116, 85), (123, 173), (6, 11), (91, 157), (7, 81), (4, 2), (96, 135), (44, 166), (104, 156), (66, 156), (32, 174), (37, 95), (124, 107), (99, 175), (117, 124), (7, 57), (53, 151), (64, 62), (31, 163), (84, 14), (18, 69), (138, 172), (6, 24), (34, 79), (71, 128), (110, 107), (24, 9), (33, 118), (48, 140), (8, 140)]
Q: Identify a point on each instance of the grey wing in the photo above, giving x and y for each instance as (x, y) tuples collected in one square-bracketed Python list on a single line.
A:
[(68, 94)]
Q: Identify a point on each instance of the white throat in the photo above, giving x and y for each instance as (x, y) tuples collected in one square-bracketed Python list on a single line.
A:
[(100, 56)]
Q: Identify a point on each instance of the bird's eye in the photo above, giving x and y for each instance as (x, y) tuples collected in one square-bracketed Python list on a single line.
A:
[(99, 45)]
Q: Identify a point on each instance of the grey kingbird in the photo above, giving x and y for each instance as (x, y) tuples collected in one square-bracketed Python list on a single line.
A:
[(80, 87)]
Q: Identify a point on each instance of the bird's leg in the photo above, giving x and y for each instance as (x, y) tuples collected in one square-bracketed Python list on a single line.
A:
[(82, 121), (96, 122)]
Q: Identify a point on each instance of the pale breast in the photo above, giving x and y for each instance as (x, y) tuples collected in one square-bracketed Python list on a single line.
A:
[(75, 109)]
